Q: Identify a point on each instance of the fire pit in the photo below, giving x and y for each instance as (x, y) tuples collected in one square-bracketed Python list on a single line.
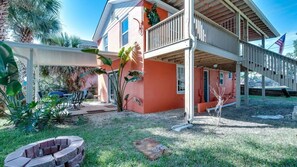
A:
[(54, 152)]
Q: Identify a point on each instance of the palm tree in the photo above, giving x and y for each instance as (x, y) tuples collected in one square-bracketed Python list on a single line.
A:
[(3, 18), (31, 19), (63, 40)]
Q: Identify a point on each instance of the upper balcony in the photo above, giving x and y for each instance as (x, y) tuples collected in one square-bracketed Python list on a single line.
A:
[(218, 28), (171, 31)]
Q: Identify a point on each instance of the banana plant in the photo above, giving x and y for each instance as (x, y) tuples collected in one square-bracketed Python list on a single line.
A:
[(10, 87), (119, 82)]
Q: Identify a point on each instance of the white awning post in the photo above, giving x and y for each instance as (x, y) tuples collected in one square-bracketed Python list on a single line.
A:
[(37, 73), (29, 93), (189, 59)]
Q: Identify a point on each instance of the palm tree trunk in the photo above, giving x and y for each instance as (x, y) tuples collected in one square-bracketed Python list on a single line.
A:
[(3, 19), (119, 102), (26, 35), (3, 26)]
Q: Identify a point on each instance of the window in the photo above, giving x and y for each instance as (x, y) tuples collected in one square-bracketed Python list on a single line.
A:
[(230, 75), (125, 31), (221, 78), (105, 43), (180, 72)]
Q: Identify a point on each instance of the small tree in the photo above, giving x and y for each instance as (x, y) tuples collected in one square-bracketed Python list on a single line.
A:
[(118, 82), (219, 94)]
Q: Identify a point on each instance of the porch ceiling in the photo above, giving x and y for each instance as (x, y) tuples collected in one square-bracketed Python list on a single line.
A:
[(201, 59), (219, 11)]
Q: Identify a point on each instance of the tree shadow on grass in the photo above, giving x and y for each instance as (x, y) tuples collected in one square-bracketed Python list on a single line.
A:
[(112, 145), (261, 107)]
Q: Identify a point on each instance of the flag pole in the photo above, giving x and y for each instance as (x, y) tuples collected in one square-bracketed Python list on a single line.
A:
[(270, 46)]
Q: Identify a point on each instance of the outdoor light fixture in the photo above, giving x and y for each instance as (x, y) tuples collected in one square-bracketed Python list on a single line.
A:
[(215, 66)]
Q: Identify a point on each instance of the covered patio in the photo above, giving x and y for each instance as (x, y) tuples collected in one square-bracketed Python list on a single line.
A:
[(35, 55)]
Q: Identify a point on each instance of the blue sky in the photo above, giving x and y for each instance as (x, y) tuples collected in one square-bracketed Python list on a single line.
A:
[(80, 18)]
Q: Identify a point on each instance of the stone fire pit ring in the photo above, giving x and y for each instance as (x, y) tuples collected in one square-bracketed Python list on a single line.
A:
[(62, 151)]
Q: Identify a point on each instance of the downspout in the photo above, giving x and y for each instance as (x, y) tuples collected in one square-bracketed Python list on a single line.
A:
[(193, 48)]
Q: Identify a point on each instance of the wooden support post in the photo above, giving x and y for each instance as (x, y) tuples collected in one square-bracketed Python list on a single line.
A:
[(246, 86), (263, 86), (238, 84), (263, 77), (189, 61), (238, 64)]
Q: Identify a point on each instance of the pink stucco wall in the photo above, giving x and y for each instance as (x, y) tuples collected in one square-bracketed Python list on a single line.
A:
[(157, 90)]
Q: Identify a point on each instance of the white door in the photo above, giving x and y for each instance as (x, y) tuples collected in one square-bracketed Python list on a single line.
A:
[(111, 88)]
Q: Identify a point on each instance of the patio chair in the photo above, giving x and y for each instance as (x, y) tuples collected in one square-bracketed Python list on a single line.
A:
[(76, 99), (85, 94)]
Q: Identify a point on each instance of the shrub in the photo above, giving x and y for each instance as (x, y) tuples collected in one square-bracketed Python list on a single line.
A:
[(36, 116)]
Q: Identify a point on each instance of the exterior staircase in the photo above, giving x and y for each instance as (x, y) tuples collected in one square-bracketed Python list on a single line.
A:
[(272, 65)]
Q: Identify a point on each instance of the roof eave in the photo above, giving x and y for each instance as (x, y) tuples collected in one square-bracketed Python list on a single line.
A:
[(107, 8), (260, 14)]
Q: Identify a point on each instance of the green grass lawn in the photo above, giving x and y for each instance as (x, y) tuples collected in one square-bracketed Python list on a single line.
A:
[(238, 142)]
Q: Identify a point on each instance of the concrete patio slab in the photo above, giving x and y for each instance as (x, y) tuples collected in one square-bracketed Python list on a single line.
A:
[(91, 106)]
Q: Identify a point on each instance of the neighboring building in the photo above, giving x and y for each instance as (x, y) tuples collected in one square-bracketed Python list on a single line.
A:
[(220, 27), (87, 44)]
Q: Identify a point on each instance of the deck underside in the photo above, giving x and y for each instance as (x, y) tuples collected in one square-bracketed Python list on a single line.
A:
[(202, 59)]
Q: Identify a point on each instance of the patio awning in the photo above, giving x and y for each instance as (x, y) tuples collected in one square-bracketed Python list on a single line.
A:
[(35, 54), (57, 56)]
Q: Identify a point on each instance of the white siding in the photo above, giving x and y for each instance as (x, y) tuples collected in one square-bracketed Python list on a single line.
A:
[(120, 11)]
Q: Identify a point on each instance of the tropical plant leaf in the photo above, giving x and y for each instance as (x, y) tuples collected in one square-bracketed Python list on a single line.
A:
[(4, 80), (134, 76), (13, 88), (91, 51), (105, 60), (100, 71)]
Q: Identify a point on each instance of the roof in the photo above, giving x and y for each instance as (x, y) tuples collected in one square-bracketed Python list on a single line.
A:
[(222, 10), (104, 16), (56, 55)]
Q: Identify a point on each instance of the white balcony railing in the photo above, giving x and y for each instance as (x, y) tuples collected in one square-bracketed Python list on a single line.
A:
[(168, 31), (171, 30), (212, 33)]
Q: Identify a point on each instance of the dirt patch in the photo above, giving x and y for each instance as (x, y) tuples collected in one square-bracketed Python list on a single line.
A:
[(151, 148)]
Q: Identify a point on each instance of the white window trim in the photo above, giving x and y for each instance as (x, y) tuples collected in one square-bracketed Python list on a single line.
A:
[(222, 78), (104, 44), (178, 66), (122, 33)]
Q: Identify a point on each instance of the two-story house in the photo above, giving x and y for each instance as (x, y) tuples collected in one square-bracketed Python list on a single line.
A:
[(198, 44)]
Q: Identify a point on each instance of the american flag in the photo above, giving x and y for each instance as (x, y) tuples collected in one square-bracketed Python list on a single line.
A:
[(281, 43)]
